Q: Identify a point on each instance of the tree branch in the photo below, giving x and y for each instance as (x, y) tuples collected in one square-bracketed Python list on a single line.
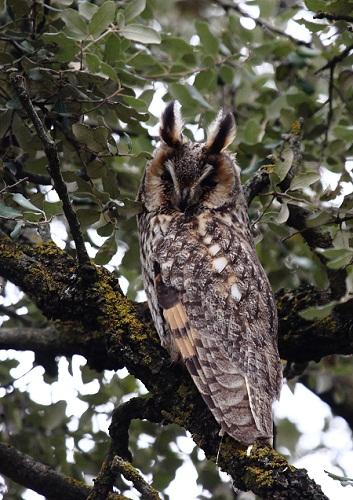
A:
[(104, 482), (263, 24), (337, 59), (115, 332), (51, 152), (334, 17), (141, 407), (315, 237), (132, 474), (11, 312), (41, 478)]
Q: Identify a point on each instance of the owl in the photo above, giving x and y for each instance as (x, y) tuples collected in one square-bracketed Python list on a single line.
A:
[(209, 296)]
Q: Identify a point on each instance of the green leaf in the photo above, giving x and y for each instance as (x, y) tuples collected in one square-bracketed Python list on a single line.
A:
[(140, 33), (209, 42), (316, 4), (177, 47), (345, 481), (106, 251), (134, 9), (75, 23), (253, 131), (283, 214), (317, 312), (87, 374), (333, 253), (188, 95), (304, 180), (95, 138), (345, 133), (205, 79), (87, 9), (15, 233), (24, 202), (337, 257), (55, 415), (9, 212), (227, 74), (66, 46), (104, 16), (52, 208), (267, 7), (283, 164)]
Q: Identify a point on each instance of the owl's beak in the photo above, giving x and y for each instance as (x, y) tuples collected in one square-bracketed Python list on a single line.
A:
[(184, 199)]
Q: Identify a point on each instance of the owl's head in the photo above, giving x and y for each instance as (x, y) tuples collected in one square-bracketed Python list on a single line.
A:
[(187, 176)]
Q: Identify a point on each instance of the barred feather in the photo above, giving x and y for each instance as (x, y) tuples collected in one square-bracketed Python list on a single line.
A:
[(209, 297)]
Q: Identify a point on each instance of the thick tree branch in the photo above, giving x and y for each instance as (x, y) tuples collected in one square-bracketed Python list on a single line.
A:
[(120, 333), (51, 152), (41, 478)]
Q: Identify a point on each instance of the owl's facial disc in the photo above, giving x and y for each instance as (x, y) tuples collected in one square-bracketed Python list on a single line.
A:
[(185, 190)]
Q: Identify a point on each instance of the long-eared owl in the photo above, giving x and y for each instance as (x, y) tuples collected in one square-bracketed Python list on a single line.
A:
[(209, 296)]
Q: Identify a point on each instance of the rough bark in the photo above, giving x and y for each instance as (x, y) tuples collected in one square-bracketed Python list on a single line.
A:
[(96, 320), (41, 478)]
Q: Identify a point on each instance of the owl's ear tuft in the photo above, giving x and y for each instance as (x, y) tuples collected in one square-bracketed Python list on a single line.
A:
[(171, 125), (221, 133)]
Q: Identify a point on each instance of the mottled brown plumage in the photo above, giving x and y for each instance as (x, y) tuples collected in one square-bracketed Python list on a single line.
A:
[(209, 296)]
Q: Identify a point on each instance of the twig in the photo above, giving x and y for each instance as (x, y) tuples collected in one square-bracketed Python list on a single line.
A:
[(43, 180), (316, 238), (313, 236), (51, 152), (258, 182), (335, 60), (260, 22), (331, 65), (105, 100), (261, 179), (41, 478), (6, 188), (330, 104), (132, 474), (257, 220), (334, 17)]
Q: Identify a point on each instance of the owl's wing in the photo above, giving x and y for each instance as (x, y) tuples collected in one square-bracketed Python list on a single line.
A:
[(218, 304)]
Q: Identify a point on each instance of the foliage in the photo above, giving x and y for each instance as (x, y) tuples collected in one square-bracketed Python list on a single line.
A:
[(95, 72)]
